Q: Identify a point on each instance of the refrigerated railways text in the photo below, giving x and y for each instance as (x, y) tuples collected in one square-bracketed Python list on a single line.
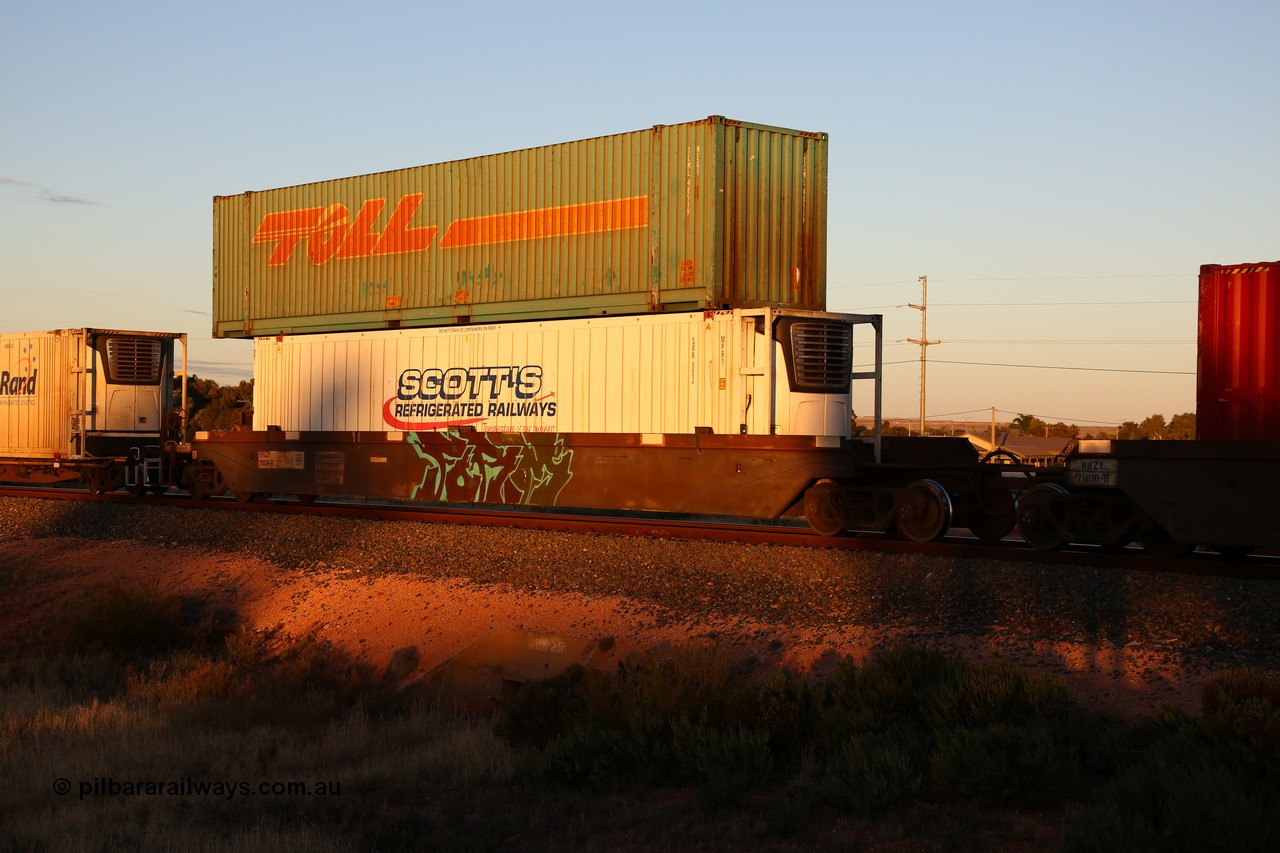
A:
[(530, 409)]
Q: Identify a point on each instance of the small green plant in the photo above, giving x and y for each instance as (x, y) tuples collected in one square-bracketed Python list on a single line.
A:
[(876, 771), (130, 621), (1189, 786), (1245, 703), (669, 717)]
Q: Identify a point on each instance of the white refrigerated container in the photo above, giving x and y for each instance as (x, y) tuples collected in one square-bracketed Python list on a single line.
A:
[(72, 394), (750, 371)]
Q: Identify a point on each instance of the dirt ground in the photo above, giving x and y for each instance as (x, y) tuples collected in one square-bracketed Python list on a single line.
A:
[(374, 617)]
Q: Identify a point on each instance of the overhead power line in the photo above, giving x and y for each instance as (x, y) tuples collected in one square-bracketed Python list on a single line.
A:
[(1034, 304), (1090, 341), (1077, 277), (1044, 367), (1021, 278), (1059, 304), (1060, 367)]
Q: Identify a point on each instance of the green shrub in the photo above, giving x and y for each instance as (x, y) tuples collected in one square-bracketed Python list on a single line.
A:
[(788, 711), (130, 621), (585, 757), (727, 763), (1022, 764), (1245, 703), (877, 771), (665, 719), (994, 691), (898, 681), (546, 709), (791, 811), (1189, 789), (887, 691)]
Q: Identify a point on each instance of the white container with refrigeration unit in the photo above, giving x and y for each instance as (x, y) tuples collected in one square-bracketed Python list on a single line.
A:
[(79, 402), (749, 371)]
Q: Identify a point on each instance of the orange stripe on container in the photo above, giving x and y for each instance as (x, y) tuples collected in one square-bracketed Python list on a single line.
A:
[(590, 218), (288, 223)]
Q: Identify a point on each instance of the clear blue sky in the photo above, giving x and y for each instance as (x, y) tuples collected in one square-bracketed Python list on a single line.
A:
[(1058, 171)]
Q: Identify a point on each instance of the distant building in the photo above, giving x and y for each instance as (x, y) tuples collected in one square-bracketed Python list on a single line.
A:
[(1019, 449)]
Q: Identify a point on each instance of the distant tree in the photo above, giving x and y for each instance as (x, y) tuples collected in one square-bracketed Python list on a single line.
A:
[(1154, 427), (1183, 427), (1128, 431), (1028, 425), (1061, 430), (212, 406)]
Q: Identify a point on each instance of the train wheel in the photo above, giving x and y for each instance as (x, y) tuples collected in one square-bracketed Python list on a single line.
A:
[(825, 509), (204, 480), (925, 512), (95, 480), (307, 499), (1036, 516), (1158, 543), (247, 497), (113, 478), (1233, 552), (995, 516)]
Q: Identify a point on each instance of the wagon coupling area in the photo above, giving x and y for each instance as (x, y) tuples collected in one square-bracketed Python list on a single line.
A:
[(1168, 496)]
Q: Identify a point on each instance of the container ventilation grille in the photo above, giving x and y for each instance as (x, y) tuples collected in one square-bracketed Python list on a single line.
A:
[(823, 356), (134, 359)]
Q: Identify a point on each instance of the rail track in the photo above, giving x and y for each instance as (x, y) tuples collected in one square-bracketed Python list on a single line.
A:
[(797, 534)]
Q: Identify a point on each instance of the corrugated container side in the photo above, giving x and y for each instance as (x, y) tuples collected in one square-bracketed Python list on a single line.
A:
[(775, 216), (39, 388), (1238, 377), (669, 373), (708, 214)]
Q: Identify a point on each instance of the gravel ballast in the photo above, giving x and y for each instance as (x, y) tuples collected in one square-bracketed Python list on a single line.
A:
[(1032, 613)]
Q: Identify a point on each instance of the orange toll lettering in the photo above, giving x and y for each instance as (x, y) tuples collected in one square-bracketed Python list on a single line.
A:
[(329, 232), (398, 238), (361, 238)]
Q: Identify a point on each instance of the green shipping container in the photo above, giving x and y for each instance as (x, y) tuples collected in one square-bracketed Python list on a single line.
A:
[(708, 214)]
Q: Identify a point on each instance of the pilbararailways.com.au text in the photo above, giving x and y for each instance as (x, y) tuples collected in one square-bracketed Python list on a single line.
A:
[(227, 789)]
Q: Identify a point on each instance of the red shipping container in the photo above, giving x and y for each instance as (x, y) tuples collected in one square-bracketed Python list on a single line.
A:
[(1238, 375)]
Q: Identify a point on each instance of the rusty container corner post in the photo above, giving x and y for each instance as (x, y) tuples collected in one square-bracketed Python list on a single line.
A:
[(709, 214)]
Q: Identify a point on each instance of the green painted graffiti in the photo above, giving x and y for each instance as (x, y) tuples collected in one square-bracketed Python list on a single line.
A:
[(470, 468)]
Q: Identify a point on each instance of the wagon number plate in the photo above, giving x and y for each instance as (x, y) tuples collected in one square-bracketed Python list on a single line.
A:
[(280, 459), (1093, 472)]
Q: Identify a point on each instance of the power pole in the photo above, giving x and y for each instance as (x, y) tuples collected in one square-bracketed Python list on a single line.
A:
[(924, 341)]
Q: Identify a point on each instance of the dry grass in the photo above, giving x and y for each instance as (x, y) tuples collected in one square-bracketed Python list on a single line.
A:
[(108, 750), (164, 722)]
